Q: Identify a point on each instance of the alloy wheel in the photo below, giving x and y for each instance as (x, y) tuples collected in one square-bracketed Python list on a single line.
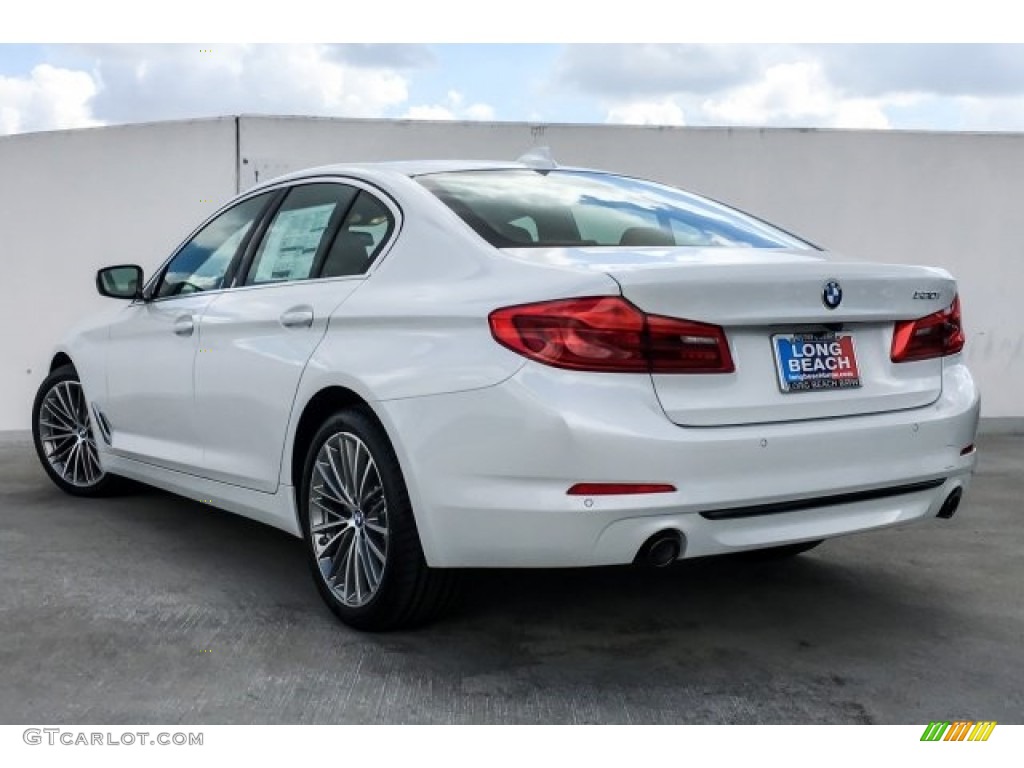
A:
[(348, 519), (66, 435)]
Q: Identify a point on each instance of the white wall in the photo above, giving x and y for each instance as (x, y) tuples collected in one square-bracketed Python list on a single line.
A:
[(74, 201), (130, 193)]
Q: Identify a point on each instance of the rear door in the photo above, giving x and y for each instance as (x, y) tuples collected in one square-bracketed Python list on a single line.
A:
[(255, 340)]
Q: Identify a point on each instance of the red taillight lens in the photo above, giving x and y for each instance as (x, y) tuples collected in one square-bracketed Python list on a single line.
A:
[(607, 333), (940, 333), (684, 346), (619, 489)]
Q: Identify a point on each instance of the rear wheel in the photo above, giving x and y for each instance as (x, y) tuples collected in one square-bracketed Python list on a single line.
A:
[(64, 439), (361, 538)]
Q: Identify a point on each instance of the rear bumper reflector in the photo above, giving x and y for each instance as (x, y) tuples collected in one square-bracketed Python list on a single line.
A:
[(618, 489), (821, 501)]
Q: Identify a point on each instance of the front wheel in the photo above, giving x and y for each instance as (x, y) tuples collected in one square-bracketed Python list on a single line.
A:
[(361, 538), (64, 439)]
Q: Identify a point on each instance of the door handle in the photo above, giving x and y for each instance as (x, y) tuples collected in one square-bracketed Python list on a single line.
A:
[(184, 325), (297, 317)]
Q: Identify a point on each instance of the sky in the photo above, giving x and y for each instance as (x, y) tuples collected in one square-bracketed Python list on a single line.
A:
[(946, 87)]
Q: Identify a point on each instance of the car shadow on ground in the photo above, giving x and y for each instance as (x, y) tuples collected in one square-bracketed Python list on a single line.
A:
[(825, 596)]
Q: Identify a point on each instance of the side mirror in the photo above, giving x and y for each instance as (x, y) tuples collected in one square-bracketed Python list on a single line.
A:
[(121, 282)]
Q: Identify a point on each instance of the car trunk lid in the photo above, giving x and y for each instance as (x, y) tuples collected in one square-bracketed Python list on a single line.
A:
[(772, 305)]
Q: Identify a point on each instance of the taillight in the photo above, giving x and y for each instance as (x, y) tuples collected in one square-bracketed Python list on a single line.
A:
[(936, 335), (608, 333)]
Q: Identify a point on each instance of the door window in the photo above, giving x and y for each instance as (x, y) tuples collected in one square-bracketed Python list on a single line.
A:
[(298, 233), (202, 263)]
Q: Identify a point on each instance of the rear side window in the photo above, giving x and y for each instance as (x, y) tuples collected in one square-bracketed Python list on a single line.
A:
[(299, 233), (523, 208), (366, 228)]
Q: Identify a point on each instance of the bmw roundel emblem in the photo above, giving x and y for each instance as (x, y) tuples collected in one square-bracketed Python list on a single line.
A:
[(832, 295)]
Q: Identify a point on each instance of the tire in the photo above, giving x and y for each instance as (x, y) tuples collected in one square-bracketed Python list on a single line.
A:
[(360, 533), (64, 437), (780, 553)]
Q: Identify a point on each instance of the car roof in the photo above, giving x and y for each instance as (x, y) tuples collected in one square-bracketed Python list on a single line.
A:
[(407, 168)]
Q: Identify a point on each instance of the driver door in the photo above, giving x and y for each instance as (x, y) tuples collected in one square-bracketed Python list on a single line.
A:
[(153, 344)]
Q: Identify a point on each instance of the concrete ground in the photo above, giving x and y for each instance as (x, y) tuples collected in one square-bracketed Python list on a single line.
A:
[(149, 608)]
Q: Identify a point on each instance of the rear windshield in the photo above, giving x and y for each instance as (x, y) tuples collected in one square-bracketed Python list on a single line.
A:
[(522, 208)]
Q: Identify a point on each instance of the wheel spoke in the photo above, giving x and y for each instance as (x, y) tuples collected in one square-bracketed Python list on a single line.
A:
[(92, 454), (338, 560), (67, 440), (372, 572), (69, 463), (361, 493), (362, 575), (324, 496), (77, 466), (65, 403), (84, 466), (57, 411), (375, 508), (376, 528), (327, 526), (56, 427), (327, 510), (374, 549), (354, 558), (327, 548), (340, 487), (326, 471), (349, 465)]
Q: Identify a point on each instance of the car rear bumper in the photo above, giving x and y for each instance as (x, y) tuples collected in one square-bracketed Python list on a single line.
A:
[(488, 470)]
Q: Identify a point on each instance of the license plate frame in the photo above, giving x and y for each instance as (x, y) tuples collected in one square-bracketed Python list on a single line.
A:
[(815, 362)]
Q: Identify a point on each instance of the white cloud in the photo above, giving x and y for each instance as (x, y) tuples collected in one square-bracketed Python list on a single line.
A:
[(946, 69), (662, 112), (451, 109), (132, 83), (47, 99), (429, 112), (642, 71), (794, 93), (151, 82), (479, 112)]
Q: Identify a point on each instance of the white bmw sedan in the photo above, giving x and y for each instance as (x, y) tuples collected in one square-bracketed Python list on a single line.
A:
[(420, 367)]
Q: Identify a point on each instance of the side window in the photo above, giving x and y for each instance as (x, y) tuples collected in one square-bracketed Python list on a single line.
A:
[(299, 232), (202, 263), (363, 233)]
